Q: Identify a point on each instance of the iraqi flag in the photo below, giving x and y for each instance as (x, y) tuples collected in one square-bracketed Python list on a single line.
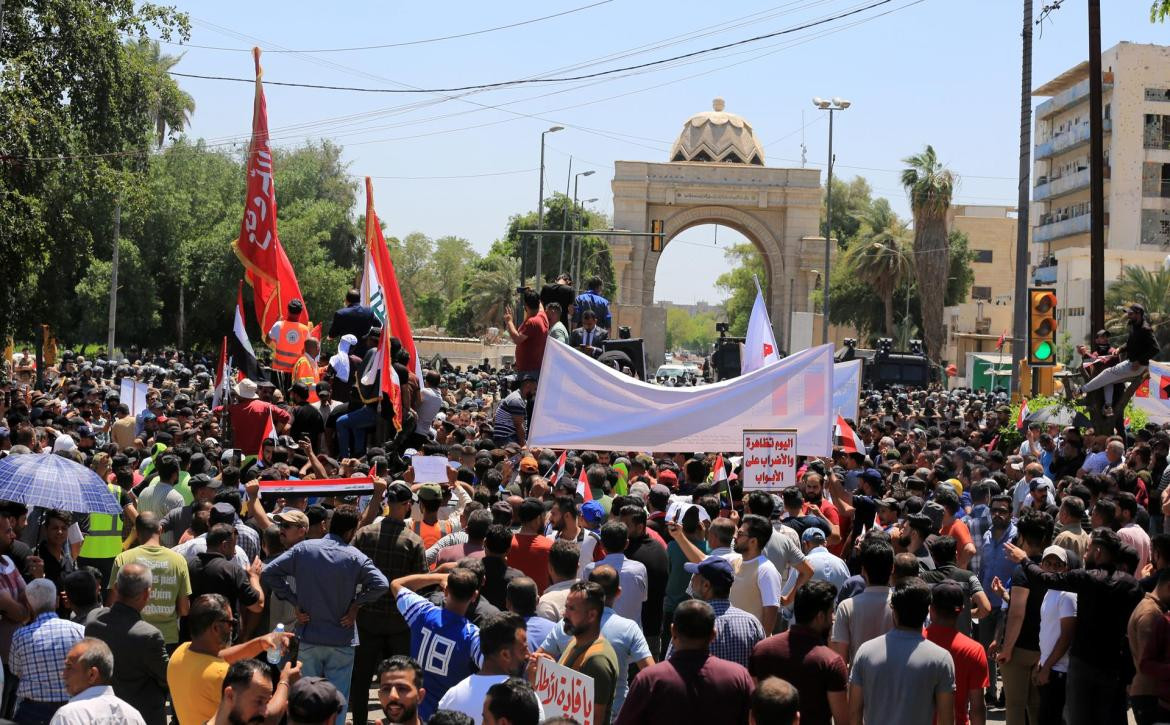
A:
[(269, 434), (720, 477), (1022, 418), (239, 350), (266, 266), (847, 439), (558, 469), (223, 376), (759, 347), (583, 486)]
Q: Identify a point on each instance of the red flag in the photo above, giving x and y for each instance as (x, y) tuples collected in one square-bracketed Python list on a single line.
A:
[(396, 319), (315, 333), (269, 434), (583, 486), (720, 476), (380, 255), (274, 283), (1002, 339), (848, 439), (1022, 418), (558, 469)]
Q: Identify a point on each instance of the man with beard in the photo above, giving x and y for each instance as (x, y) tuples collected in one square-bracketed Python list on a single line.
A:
[(510, 422), (504, 644), (588, 652), (245, 695), (197, 670), (400, 690)]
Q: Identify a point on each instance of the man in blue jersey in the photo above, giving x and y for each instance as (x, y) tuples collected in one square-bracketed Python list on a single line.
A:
[(441, 638)]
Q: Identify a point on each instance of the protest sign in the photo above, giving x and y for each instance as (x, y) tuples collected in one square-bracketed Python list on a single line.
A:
[(133, 394), (769, 459), (564, 692), (361, 486), (429, 469)]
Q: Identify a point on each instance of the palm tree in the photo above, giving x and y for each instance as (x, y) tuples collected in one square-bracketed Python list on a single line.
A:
[(880, 256), (170, 105), (1149, 288), (490, 287), (930, 186)]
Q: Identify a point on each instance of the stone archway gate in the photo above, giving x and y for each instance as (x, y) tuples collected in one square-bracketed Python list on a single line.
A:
[(777, 209)]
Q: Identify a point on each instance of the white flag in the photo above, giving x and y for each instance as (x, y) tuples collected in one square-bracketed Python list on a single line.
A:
[(759, 348)]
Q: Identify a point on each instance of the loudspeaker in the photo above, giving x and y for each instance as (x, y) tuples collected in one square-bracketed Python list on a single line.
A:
[(727, 359), (633, 349)]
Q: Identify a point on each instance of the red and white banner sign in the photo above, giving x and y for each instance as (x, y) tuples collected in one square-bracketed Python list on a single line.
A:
[(564, 692), (362, 486)]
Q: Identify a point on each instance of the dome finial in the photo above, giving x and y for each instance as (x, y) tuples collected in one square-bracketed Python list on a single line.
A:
[(717, 104)]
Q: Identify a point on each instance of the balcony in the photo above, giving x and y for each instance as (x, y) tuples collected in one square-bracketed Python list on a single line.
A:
[(1071, 97), (1046, 232), (1048, 188), (1062, 142)]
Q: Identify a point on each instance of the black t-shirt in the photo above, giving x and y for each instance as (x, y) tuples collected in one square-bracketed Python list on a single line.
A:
[(307, 423), (652, 555), (1029, 638), (496, 583), (19, 552), (562, 294), (211, 573)]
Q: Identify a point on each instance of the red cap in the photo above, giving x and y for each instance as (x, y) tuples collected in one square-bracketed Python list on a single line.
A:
[(668, 478)]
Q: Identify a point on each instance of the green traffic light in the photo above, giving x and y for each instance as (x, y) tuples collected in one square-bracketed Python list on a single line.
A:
[(1043, 351)]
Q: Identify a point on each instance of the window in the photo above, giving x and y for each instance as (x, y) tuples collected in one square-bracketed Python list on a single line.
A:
[(981, 293), (1157, 132), (983, 256), (1156, 226), (1155, 179), (1157, 94)]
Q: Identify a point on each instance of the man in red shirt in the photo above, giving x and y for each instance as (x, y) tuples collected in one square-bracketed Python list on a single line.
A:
[(530, 547), (952, 526), (531, 336), (813, 487), (946, 602), (249, 418)]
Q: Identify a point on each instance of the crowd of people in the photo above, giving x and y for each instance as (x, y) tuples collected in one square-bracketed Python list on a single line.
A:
[(937, 575)]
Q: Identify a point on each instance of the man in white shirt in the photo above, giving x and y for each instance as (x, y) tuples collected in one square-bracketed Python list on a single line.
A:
[(757, 586), (1058, 624), (503, 641), (632, 576), (826, 566), (562, 574), (89, 666), (431, 404)]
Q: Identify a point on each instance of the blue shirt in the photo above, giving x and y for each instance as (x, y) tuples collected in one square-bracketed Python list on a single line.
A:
[(444, 643), (627, 640), (978, 523), (38, 654), (538, 629), (595, 302), (328, 573), (736, 633), (827, 567), (993, 562)]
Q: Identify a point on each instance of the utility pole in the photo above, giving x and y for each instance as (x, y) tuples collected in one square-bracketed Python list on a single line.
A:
[(114, 276), (1096, 174), (565, 218), (1020, 316)]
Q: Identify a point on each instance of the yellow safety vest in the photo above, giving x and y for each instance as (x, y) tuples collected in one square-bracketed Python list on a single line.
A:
[(104, 540), (290, 345)]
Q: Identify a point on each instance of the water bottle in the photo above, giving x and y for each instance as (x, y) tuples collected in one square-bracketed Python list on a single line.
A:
[(275, 654)]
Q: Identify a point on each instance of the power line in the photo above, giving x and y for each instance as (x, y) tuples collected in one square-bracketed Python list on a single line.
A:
[(559, 79), (403, 43)]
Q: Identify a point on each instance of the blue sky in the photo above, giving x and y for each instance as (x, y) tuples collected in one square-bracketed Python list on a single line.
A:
[(944, 72)]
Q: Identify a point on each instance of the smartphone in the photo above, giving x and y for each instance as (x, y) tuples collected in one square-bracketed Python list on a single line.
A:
[(294, 650)]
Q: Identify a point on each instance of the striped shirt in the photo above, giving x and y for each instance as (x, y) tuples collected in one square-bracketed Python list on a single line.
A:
[(38, 657)]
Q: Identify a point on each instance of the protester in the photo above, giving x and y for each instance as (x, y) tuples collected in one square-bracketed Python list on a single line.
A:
[(736, 631), (38, 649), (947, 603), (87, 674)]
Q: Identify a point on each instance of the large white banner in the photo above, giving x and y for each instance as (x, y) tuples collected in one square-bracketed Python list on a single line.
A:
[(582, 404), (847, 388), (1154, 395)]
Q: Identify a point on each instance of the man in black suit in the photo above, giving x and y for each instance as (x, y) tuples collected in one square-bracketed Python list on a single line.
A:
[(589, 337), (140, 654), (353, 319)]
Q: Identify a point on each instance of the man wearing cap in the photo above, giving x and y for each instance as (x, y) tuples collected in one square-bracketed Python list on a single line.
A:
[(1139, 347), (826, 566), (313, 701), (178, 520), (382, 632), (170, 590), (947, 602), (1106, 598), (250, 416), (736, 631), (799, 656), (1058, 622), (428, 526)]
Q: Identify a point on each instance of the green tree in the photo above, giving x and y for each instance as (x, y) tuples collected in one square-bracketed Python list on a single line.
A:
[(1149, 288), (72, 127), (487, 289), (451, 260), (851, 202), (412, 257), (169, 104), (880, 256), (930, 186), (595, 255), (1159, 11), (745, 265), (139, 305), (691, 332)]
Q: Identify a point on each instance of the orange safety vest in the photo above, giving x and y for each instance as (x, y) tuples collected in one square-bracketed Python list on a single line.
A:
[(305, 371), (290, 345)]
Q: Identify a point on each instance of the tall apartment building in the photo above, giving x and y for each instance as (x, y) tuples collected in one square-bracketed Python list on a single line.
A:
[(1136, 105)]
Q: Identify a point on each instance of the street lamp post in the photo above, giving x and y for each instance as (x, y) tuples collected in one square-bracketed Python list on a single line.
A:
[(577, 241), (573, 242), (539, 213), (835, 104)]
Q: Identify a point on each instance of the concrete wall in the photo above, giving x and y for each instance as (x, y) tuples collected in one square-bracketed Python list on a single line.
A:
[(465, 351)]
